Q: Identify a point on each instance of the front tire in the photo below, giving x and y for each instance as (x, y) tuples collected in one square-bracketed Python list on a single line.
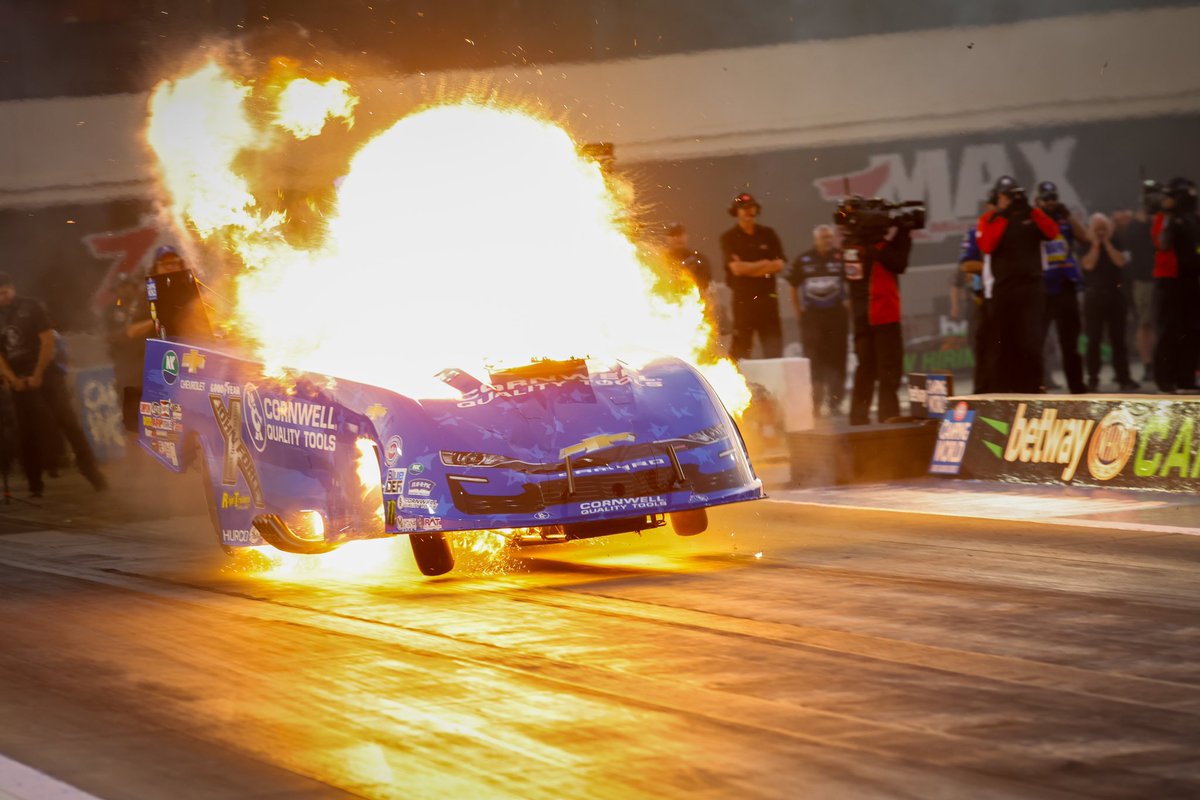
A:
[(689, 523), (432, 553)]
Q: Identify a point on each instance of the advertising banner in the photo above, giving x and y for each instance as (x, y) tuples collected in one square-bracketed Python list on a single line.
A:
[(1136, 443), (100, 412)]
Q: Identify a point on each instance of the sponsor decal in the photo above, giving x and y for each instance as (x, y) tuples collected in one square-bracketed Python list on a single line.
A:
[(542, 515), (143, 407), (521, 387), (394, 451), (192, 385), (416, 468), (166, 450), (395, 481), (376, 412), (429, 523), (170, 366), (617, 504), (1048, 440), (420, 487), (237, 458), (287, 421), (408, 524), (235, 500), (256, 426), (953, 435), (389, 513), (240, 536), (1168, 446), (193, 361), (428, 505), (594, 443), (1112, 444)]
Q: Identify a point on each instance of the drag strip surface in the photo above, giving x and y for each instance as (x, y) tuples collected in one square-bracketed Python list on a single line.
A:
[(789, 650)]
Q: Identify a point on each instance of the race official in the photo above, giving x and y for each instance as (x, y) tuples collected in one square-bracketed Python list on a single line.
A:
[(817, 284), (38, 384), (1012, 235), (753, 257), (1063, 282), (872, 272)]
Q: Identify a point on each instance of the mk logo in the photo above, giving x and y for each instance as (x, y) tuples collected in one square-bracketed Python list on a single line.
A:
[(594, 443), (237, 455)]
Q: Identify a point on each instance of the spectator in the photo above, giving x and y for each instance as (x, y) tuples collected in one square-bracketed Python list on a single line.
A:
[(753, 256), (1139, 274), (687, 259), (1063, 281), (27, 351), (1104, 303), (817, 281), (1012, 235)]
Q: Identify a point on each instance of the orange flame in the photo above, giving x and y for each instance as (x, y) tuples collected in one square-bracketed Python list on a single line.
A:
[(469, 235)]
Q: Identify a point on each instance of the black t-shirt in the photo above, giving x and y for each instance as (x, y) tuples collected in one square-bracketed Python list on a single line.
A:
[(821, 279), (1140, 246), (762, 244), (21, 323), (1106, 275)]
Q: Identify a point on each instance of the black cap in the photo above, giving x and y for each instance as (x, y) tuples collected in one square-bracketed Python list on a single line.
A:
[(674, 228), (743, 200), (1004, 183), (1180, 186), (1047, 188)]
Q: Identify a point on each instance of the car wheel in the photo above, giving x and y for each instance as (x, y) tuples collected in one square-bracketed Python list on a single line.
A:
[(432, 552), (689, 523)]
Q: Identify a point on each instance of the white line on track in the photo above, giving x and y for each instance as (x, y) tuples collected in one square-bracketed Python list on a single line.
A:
[(19, 782), (1067, 522)]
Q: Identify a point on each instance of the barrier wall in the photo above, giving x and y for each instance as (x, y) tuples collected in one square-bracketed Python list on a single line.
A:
[(1130, 441)]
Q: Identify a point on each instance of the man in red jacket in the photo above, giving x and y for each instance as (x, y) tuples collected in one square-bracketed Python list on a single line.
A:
[(1012, 235)]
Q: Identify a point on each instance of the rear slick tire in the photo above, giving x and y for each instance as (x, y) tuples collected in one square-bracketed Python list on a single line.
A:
[(432, 553), (689, 523)]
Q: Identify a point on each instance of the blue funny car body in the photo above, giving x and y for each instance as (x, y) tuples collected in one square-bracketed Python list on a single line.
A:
[(555, 449)]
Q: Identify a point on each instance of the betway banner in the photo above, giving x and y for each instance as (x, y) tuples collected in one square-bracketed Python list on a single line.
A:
[(1130, 443)]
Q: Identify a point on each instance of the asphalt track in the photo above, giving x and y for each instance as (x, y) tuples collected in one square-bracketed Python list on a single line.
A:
[(793, 650)]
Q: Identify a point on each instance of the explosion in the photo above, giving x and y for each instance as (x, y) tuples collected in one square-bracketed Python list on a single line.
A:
[(469, 235)]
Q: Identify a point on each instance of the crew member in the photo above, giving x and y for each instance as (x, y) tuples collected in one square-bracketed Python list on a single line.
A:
[(1176, 231), (1104, 303), (817, 281), (1140, 248), (687, 259), (1063, 281), (1012, 235), (753, 257), (873, 264), (27, 349)]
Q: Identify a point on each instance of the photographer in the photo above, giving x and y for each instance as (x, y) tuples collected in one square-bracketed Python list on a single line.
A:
[(753, 257), (1063, 281), (1176, 232), (972, 262), (875, 251), (1012, 235)]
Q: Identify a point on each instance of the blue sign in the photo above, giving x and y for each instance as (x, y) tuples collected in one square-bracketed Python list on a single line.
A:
[(100, 412), (952, 440)]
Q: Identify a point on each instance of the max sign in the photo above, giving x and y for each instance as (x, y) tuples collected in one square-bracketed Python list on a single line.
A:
[(953, 189)]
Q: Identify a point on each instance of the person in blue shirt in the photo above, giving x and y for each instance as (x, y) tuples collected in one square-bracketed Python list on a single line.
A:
[(818, 288), (1063, 282), (975, 273)]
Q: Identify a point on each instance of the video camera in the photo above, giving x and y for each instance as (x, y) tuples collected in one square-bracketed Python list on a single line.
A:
[(865, 218)]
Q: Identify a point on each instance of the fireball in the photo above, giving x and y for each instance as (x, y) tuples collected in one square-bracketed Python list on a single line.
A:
[(468, 234)]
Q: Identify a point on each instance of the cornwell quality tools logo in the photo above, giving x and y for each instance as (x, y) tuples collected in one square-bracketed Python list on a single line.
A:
[(237, 455)]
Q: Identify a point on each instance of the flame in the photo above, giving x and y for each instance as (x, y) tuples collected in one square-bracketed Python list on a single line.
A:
[(469, 235), (305, 105)]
